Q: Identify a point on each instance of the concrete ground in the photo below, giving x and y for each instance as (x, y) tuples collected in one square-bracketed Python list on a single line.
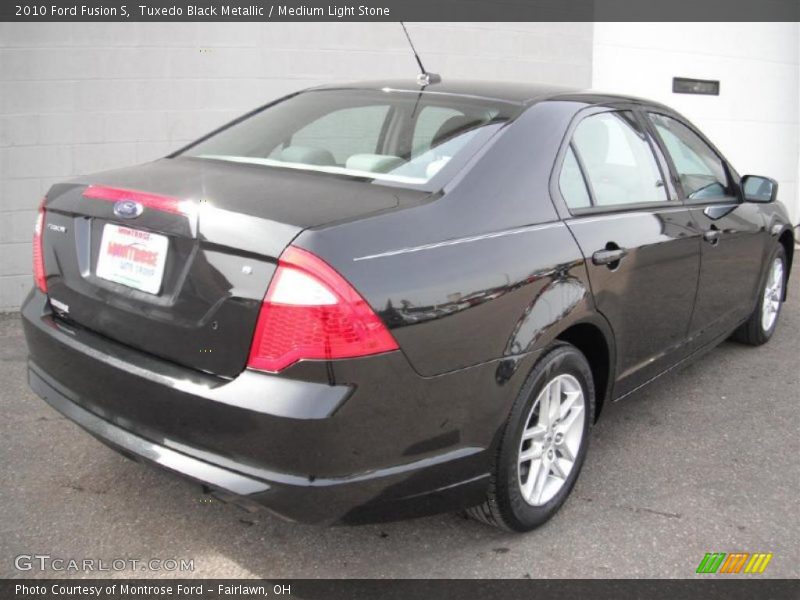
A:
[(705, 460)]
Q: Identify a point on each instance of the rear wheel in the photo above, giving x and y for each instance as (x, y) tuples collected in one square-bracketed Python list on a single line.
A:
[(543, 443), (761, 324)]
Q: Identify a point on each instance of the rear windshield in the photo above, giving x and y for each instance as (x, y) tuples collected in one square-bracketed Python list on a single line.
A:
[(390, 137)]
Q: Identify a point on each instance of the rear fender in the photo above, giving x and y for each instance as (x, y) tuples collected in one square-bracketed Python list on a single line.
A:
[(555, 312)]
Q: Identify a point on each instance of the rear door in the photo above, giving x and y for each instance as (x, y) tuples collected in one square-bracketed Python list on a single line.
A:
[(734, 233), (642, 252)]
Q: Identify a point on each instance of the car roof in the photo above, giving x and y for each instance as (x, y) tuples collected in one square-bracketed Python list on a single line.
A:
[(506, 91)]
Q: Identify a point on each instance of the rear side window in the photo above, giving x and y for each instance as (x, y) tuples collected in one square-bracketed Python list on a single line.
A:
[(701, 171), (617, 160)]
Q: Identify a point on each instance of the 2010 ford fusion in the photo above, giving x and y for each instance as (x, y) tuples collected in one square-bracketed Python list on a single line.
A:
[(390, 299)]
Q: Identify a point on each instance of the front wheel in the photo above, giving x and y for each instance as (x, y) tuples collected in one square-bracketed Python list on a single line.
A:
[(543, 443), (760, 326)]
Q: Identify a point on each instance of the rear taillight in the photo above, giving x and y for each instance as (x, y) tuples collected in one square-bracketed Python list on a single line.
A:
[(38, 255), (311, 312)]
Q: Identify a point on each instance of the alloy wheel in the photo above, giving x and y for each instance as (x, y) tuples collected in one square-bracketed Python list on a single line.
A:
[(773, 293), (551, 439)]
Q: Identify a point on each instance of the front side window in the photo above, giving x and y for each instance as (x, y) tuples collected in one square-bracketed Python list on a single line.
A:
[(701, 171), (385, 136), (618, 161)]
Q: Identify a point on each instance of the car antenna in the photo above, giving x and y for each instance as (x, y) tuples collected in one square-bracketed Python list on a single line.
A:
[(424, 78)]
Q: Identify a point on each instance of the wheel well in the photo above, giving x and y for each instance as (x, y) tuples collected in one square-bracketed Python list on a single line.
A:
[(787, 241), (590, 340)]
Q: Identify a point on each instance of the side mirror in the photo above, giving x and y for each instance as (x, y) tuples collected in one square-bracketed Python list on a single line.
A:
[(759, 189)]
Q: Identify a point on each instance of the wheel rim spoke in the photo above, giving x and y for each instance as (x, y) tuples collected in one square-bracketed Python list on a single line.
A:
[(557, 469), (566, 451), (532, 453), (535, 433), (554, 403), (571, 399), (773, 290), (527, 486), (572, 420), (541, 478)]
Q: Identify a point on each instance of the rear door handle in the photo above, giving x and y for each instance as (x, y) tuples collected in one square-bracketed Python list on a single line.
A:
[(712, 236), (609, 256)]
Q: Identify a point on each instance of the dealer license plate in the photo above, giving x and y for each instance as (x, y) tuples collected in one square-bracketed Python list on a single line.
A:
[(132, 257)]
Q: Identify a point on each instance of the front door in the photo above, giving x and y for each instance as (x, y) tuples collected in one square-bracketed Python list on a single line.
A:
[(733, 232)]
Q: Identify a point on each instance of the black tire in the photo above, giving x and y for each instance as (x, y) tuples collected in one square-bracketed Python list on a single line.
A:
[(505, 506), (752, 332)]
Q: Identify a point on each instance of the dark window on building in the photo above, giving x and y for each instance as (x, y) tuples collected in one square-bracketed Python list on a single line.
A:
[(684, 85)]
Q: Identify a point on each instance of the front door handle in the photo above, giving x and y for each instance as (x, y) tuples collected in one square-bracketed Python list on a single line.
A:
[(609, 256), (712, 236)]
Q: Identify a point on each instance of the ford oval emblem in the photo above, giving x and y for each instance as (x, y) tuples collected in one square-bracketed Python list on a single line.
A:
[(128, 209)]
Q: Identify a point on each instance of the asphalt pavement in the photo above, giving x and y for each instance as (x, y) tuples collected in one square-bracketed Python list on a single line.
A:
[(704, 460)]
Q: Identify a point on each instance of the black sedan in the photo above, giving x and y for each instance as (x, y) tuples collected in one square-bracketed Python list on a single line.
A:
[(381, 300)]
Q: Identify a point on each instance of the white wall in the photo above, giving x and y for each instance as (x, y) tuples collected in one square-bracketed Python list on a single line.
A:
[(78, 98), (754, 120)]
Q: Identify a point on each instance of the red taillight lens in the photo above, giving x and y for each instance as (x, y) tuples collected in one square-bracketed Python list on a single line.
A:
[(311, 312), (158, 202), (38, 256)]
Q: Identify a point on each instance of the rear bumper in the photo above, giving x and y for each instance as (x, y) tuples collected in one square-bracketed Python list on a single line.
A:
[(301, 501), (138, 447), (294, 447)]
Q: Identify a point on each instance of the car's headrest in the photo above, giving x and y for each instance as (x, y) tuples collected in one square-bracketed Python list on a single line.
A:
[(452, 127), (307, 155), (375, 163)]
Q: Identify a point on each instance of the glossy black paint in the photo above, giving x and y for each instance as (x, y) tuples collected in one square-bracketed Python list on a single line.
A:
[(474, 280)]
